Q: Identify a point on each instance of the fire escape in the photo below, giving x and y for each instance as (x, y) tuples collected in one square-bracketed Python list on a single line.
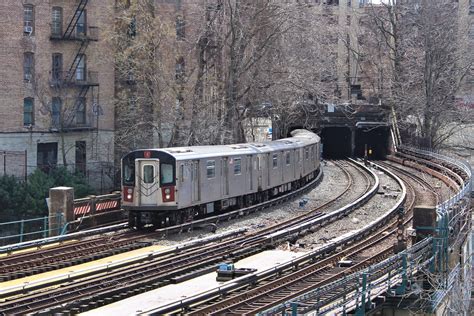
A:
[(76, 76)]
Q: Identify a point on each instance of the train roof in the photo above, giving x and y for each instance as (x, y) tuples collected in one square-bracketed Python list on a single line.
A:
[(300, 138)]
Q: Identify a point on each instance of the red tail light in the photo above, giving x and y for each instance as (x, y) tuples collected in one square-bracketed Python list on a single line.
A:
[(128, 194), (167, 194)]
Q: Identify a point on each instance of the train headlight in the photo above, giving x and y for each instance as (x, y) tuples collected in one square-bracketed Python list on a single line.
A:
[(128, 194), (168, 194)]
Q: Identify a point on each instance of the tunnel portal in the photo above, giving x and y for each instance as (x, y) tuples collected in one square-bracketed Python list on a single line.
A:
[(341, 142), (336, 142)]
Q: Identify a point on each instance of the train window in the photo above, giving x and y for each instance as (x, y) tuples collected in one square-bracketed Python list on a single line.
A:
[(181, 173), (306, 153), (275, 160), (166, 173), (211, 169), (148, 174), (237, 166), (128, 171), (288, 158), (297, 152)]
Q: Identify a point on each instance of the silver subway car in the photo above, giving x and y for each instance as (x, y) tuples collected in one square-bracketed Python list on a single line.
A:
[(175, 185)]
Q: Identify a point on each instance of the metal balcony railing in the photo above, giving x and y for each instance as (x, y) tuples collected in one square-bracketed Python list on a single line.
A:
[(92, 34), (73, 119), (78, 78)]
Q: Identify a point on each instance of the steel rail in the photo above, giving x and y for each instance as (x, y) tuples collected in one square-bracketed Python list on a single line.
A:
[(311, 257), (251, 248)]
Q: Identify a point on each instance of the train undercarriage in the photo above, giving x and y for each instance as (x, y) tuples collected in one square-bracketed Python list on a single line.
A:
[(153, 219)]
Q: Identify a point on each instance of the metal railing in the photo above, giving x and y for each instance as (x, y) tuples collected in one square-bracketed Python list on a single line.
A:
[(77, 77), (92, 34), (39, 228), (96, 204), (30, 229)]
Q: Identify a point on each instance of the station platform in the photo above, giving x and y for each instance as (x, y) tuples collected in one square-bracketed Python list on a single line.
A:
[(77, 271), (175, 292)]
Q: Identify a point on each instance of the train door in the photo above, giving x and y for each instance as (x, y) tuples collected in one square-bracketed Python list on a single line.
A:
[(225, 175), (149, 181), (269, 168), (195, 181), (250, 171), (259, 172), (295, 162)]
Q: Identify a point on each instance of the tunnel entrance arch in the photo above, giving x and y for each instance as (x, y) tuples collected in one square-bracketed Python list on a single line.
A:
[(336, 142), (374, 139)]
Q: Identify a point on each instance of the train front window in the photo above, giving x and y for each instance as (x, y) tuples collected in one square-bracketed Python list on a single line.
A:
[(148, 174), (129, 172), (166, 173)]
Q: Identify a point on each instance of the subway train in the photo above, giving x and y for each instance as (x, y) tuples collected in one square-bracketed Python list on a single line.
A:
[(168, 186)]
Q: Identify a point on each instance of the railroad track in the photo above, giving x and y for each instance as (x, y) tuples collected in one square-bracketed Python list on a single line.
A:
[(332, 297), (131, 280), (27, 263), (63, 255), (430, 195), (277, 289)]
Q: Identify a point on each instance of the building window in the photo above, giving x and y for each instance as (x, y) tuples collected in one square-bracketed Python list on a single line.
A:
[(28, 112), (28, 19), (56, 112), (237, 166), (81, 111), (180, 70), (275, 160), (28, 66), (57, 67), (47, 156), (211, 169), (81, 157), (180, 29), (57, 22), (81, 68), (81, 24)]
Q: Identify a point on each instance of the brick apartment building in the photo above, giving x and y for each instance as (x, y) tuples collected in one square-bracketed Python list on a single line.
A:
[(57, 87)]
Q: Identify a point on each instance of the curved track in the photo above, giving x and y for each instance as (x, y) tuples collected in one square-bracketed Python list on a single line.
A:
[(131, 280), (277, 290)]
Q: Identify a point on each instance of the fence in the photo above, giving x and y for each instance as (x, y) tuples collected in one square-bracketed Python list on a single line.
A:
[(96, 204), (30, 229), (13, 163), (88, 212)]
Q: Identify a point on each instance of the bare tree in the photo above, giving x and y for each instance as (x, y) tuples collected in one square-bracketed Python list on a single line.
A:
[(424, 40)]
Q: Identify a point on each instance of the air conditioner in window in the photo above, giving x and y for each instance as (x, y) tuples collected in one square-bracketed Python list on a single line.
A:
[(28, 30)]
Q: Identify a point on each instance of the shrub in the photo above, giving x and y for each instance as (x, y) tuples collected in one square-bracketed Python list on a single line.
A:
[(26, 200)]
